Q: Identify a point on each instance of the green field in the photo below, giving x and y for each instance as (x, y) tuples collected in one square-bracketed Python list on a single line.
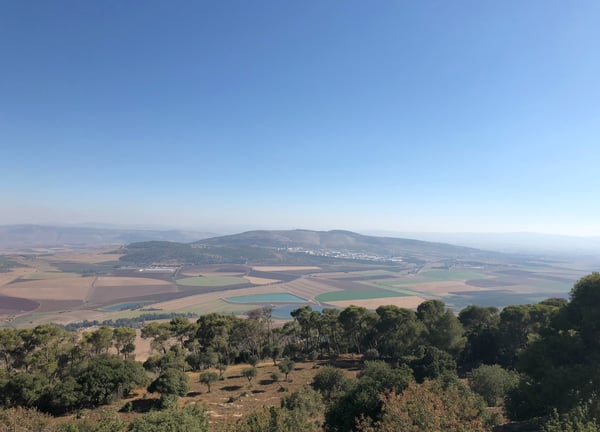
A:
[(356, 295), (212, 281), (428, 277)]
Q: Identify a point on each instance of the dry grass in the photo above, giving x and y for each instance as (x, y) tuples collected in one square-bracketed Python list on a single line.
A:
[(283, 268), (408, 302), (52, 289), (88, 257), (8, 277)]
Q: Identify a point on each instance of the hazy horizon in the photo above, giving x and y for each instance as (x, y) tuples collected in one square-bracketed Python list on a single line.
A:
[(425, 117)]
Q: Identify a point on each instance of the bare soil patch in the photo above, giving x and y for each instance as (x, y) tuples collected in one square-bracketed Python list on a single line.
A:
[(407, 302), (58, 305), (11, 305), (112, 293), (260, 281), (52, 289)]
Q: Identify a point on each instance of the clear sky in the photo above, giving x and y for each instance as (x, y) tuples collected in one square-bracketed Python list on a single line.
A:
[(448, 116)]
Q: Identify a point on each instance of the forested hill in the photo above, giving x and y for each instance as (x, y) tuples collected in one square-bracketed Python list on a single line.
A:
[(295, 246)]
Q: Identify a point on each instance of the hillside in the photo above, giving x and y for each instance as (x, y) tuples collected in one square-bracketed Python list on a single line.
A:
[(296, 247)]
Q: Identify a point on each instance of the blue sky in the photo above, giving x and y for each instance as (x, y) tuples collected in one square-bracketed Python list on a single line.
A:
[(461, 116)]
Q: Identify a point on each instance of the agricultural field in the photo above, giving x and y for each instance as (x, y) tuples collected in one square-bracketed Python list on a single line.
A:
[(69, 286)]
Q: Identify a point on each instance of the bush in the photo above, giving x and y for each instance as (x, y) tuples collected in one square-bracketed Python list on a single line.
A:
[(492, 382)]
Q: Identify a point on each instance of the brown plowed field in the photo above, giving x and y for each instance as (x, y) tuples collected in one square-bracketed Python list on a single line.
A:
[(9, 305), (109, 293), (58, 305)]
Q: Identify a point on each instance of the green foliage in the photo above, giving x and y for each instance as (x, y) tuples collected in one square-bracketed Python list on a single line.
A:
[(577, 420), (171, 383), (331, 382), (286, 366), (250, 374), (426, 407), (362, 397), (208, 378), (492, 382), (108, 378), (189, 419), (432, 363)]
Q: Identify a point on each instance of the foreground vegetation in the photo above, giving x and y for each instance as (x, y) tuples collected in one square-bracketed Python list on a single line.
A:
[(427, 370)]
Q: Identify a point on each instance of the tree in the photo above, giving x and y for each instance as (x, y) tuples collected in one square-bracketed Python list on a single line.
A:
[(171, 383), (250, 374), (330, 382), (492, 383), (100, 340), (398, 331), (362, 397), (160, 333), (286, 366), (356, 322), (124, 340), (108, 378), (208, 378), (429, 407)]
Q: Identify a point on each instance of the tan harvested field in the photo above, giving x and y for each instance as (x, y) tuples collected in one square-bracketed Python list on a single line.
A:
[(441, 288), (52, 289), (111, 281), (307, 288), (8, 277), (260, 281), (283, 268), (201, 299), (354, 274), (91, 257), (408, 302)]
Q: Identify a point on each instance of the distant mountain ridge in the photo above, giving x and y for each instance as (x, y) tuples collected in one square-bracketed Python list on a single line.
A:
[(48, 236), (334, 239), (297, 247)]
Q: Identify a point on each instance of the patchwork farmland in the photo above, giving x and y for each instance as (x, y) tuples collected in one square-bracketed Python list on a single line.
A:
[(70, 286)]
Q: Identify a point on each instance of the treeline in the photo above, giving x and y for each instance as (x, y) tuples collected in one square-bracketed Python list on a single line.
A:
[(134, 322), (539, 362)]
